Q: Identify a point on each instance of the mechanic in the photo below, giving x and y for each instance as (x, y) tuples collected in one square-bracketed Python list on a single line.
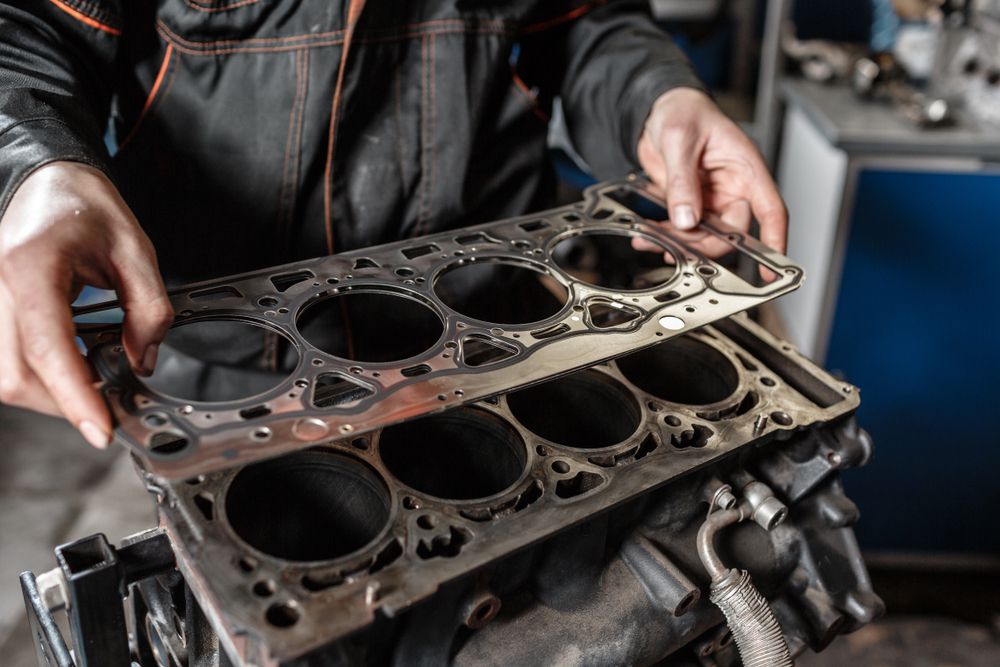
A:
[(248, 133)]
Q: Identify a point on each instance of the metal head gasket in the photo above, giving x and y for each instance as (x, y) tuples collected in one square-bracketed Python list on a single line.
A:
[(290, 554), (329, 393)]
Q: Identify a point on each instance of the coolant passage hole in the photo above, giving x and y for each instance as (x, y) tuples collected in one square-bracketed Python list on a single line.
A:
[(682, 370), (500, 292), (609, 260), (370, 326), (586, 409), (221, 360), (308, 506), (462, 454)]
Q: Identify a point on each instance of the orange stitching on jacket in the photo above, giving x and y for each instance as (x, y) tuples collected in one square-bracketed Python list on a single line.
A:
[(422, 211), (300, 125), (353, 12), (86, 20), (440, 26), (150, 97), (252, 40), (564, 18), (170, 37), (288, 141), (433, 130), (473, 30), (210, 8)]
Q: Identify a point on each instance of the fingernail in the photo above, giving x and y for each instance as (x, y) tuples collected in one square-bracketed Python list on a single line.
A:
[(149, 359), (94, 435), (684, 218)]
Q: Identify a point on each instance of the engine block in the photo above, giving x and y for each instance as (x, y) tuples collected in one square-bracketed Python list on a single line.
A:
[(467, 485)]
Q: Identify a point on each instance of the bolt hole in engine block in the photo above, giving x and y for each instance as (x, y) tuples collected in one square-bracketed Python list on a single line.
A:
[(588, 410), (463, 454), (312, 505), (216, 360), (370, 326)]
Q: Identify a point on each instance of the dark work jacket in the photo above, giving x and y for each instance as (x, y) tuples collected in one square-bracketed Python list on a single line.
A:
[(255, 132)]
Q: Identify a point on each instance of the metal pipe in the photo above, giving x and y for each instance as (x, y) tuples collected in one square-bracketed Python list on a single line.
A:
[(756, 631), (706, 539)]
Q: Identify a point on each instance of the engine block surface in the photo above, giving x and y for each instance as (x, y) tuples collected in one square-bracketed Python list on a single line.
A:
[(288, 555)]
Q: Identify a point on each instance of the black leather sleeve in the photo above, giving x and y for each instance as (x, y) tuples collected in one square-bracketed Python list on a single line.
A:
[(57, 60), (613, 63)]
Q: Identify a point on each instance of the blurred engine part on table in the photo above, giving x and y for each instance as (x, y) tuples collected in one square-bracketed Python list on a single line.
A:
[(967, 64), (944, 57)]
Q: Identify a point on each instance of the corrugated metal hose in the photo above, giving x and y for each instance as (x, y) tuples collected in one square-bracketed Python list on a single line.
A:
[(756, 631)]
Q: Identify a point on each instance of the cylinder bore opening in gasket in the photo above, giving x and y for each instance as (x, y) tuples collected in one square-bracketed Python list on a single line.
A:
[(610, 260), (462, 454), (587, 409), (500, 292), (682, 370), (370, 326), (308, 506), (221, 360)]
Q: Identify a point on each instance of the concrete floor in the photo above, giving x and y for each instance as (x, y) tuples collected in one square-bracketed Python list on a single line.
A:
[(54, 489)]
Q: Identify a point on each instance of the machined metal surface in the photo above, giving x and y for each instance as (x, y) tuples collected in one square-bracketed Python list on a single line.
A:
[(445, 353), (288, 555)]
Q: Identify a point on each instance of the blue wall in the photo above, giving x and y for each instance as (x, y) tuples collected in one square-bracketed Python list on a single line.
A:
[(917, 327)]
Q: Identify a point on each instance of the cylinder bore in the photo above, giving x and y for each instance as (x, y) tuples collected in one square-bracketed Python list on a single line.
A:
[(608, 260), (308, 506), (682, 370), (463, 454), (370, 326), (587, 409), (221, 360), (500, 292)]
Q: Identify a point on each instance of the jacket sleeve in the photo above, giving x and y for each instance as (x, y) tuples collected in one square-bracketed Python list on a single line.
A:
[(57, 60), (614, 63)]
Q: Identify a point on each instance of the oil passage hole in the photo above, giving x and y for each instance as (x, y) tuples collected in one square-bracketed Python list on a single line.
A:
[(282, 615), (461, 454), (500, 292), (311, 505), (168, 442), (586, 409), (682, 370), (609, 260), (371, 326), (221, 360)]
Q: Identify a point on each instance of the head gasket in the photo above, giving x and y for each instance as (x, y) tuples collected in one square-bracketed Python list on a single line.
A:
[(454, 353)]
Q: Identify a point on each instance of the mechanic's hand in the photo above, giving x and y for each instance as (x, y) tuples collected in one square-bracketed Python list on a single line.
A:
[(704, 162), (67, 227)]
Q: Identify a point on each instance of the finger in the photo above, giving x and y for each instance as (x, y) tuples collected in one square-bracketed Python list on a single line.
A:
[(19, 386), (45, 331), (643, 244), (148, 313), (682, 182), (769, 209), (737, 214)]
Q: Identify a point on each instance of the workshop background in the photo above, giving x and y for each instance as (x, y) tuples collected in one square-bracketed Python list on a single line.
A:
[(882, 122)]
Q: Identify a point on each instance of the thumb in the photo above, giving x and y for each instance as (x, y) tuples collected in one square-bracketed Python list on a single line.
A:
[(682, 180), (148, 313)]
